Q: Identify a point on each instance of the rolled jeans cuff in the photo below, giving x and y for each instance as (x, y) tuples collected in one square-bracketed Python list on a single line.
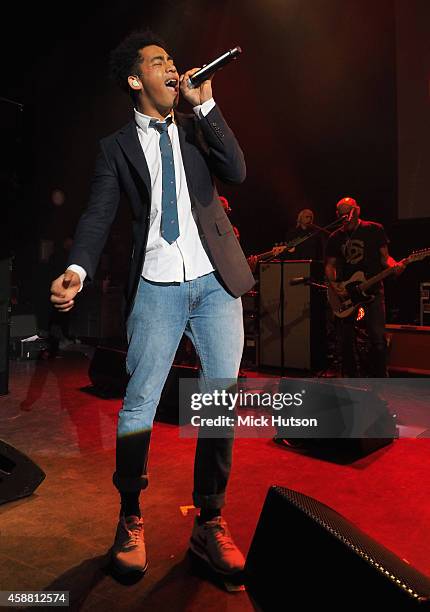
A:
[(129, 484), (209, 502)]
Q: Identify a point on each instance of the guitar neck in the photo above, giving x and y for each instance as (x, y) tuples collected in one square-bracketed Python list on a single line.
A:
[(265, 255), (376, 279), (296, 241), (415, 256)]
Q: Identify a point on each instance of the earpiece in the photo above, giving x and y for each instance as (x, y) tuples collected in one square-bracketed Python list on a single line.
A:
[(136, 83)]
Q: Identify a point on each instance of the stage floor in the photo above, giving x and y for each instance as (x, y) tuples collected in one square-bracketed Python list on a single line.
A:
[(58, 538)]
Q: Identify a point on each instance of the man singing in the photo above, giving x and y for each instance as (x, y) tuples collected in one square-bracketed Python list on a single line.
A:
[(187, 274)]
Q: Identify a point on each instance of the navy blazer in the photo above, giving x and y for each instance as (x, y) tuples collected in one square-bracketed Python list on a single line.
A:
[(209, 148)]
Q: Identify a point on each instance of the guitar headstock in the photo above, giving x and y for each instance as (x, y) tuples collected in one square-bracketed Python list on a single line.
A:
[(417, 255)]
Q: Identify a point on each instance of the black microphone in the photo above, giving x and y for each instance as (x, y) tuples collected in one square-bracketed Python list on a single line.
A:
[(344, 219), (205, 72), (300, 280)]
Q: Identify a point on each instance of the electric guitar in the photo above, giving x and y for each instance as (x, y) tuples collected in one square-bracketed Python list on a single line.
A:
[(274, 252), (357, 285), (291, 245), (279, 248)]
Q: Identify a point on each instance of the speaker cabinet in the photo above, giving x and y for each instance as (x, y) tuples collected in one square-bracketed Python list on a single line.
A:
[(107, 371), (19, 475), (304, 314), (408, 349), (353, 421), (23, 326), (307, 553), (109, 377), (168, 408), (98, 313)]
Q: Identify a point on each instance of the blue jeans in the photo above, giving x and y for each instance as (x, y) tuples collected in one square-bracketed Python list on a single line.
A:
[(212, 318)]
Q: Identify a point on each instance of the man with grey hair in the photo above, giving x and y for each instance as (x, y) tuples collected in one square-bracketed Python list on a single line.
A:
[(309, 246)]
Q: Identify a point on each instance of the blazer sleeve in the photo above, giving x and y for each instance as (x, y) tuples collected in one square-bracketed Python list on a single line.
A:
[(224, 155), (94, 225)]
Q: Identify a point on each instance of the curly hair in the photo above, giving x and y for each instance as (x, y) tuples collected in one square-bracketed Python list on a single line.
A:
[(125, 59)]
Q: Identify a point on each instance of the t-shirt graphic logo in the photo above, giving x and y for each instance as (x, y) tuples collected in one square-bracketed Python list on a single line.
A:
[(353, 251)]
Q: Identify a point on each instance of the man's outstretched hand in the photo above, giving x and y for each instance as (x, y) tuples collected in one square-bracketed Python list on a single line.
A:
[(64, 289)]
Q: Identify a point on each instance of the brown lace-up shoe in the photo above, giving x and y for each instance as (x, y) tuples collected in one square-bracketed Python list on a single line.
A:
[(128, 550), (212, 542)]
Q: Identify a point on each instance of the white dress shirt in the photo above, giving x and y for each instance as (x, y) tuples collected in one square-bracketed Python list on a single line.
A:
[(184, 259)]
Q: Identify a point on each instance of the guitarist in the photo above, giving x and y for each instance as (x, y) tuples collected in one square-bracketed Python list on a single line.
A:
[(313, 247), (360, 245)]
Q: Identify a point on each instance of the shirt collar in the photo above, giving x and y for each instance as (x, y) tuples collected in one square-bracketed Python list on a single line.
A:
[(142, 120)]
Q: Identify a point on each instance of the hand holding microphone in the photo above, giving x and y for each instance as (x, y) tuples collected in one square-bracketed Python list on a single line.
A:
[(196, 84), (195, 95), (209, 69)]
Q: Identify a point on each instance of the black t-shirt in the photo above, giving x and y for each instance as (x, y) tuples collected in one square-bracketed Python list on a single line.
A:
[(312, 248), (357, 250)]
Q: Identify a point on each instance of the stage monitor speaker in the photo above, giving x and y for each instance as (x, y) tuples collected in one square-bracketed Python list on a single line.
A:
[(307, 553), (168, 408), (408, 349), (353, 420), (23, 326), (19, 475), (304, 308), (109, 377), (107, 371), (98, 313)]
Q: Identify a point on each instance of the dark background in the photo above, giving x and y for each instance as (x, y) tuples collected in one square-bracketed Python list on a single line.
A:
[(413, 105), (312, 101)]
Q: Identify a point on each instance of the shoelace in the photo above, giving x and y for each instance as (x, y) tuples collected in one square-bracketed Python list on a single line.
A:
[(135, 534), (222, 536)]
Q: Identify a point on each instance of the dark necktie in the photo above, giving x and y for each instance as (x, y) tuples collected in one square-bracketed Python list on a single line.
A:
[(169, 207)]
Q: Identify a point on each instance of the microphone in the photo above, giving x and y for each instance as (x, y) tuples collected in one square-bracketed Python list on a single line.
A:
[(300, 280), (204, 73), (315, 227), (351, 212), (344, 219)]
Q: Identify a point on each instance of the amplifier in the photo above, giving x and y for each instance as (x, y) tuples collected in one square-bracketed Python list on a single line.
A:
[(304, 310), (408, 348), (425, 303), (250, 352)]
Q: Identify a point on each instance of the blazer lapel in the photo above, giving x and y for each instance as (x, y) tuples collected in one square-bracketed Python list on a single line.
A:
[(130, 144)]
